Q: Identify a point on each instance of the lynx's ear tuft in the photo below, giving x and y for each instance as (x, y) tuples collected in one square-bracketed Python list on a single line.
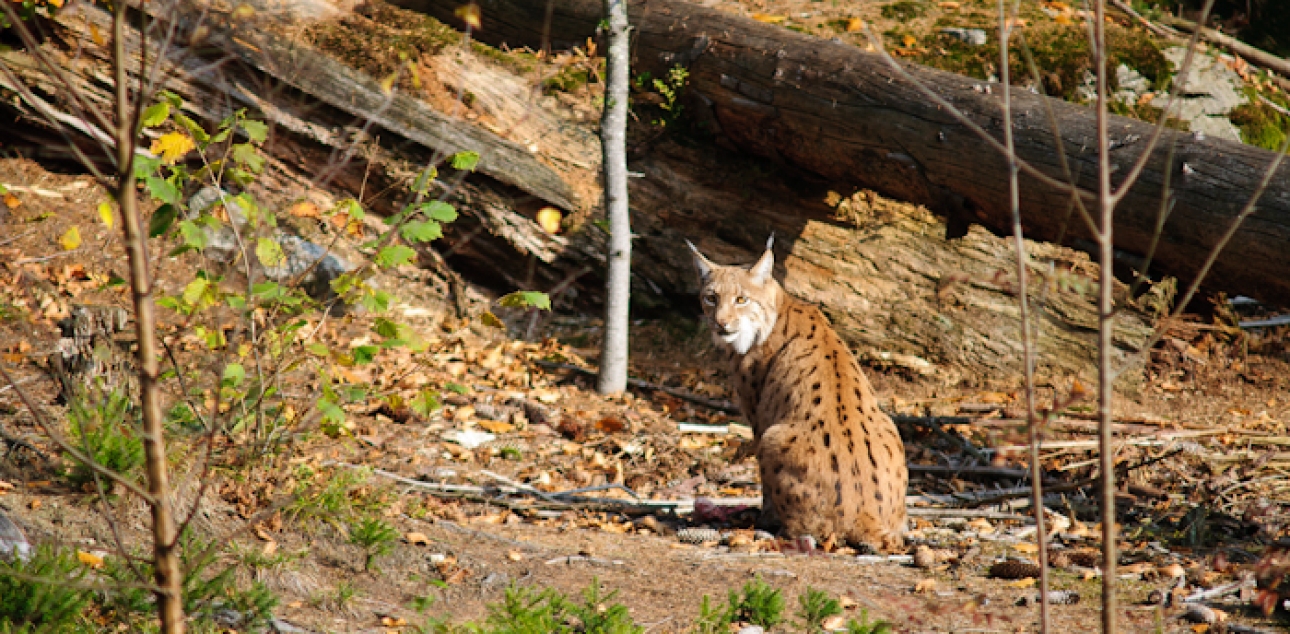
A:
[(701, 264), (762, 269), (770, 242)]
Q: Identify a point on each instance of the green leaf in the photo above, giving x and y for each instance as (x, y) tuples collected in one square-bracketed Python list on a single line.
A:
[(234, 374), (351, 208), (162, 190), (376, 301), (235, 301), (195, 290), (439, 210), (526, 299), (194, 235), (319, 349), (457, 387), (393, 256), (256, 130), (193, 128), (171, 98), (269, 252), (386, 328), (424, 180), (465, 161), (161, 220), (155, 115), (421, 231), (145, 166), (364, 354), (425, 403), (249, 156)]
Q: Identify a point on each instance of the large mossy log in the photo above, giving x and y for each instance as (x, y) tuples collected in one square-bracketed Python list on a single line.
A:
[(844, 114)]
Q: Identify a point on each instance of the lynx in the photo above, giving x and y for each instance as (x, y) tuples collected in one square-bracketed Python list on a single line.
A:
[(831, 462)]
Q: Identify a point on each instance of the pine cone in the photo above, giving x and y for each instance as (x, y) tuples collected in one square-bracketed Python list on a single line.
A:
[(1013, 570), (698, 535), (1085, 558)]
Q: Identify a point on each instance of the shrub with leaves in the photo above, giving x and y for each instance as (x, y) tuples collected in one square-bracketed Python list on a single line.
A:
[(374, 536), (817, 605), (40, 594), (105, 433)]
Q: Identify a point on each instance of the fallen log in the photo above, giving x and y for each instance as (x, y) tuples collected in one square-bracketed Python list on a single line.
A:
[(906, 298), (833, 110)]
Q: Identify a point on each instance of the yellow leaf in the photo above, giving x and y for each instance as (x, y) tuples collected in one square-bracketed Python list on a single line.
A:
[(89, 559), (97, 36), (387, 84), (1200, 628), (949, 6), (71, 239), (491, 320), (57, 4), (1022, 583), (417, 539), (244, 11), (497, 426), (1026, 547), (11, 201), (105, 214), (769, 18), (854, 25), (909, 41), (172, 146), (549, 218), (304, 209), (469, 13)]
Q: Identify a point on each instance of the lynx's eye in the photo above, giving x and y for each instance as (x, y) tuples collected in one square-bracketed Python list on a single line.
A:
[(710, 299), (741, 300)]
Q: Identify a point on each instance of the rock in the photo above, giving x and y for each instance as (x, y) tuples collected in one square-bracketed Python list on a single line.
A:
[(1130, 84), (1055, 597), (751, 629), (1210, 91), (1197, 613), (924, 557), (12, 540), (971, 37), (299, 255)]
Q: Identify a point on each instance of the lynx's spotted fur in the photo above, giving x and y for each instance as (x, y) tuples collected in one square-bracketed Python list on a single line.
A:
[(831, 462)]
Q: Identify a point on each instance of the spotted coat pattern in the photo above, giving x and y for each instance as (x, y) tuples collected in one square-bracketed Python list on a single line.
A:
[(831, 462)]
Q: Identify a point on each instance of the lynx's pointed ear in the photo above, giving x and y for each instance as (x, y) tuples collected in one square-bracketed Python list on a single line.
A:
[(701, 264), (762, 269)]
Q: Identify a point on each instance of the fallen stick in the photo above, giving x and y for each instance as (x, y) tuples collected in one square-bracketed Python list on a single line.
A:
[(1258, 56)]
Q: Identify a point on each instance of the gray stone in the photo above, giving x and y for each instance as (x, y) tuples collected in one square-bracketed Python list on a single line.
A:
[(299, 254), (971, 37), (1210, 90), (13, 543)]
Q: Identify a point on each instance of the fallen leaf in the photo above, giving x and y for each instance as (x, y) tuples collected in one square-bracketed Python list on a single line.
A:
[(549, 218), (105, 214), (515, 555), (89, 559), (610, 425), (5, 487), (1027, 548), (496, 426), (925, 586), (847, 603), (949, 6), (417, 539), (34, 504), (1022, 583), (97, 36), (490, 320), (769, 18), (855, 25), (456, 577), (835, 622), (269, 549), (70, 240), (390, 621), (305, 209), (11, 201), (909, 41), (1200, 628)]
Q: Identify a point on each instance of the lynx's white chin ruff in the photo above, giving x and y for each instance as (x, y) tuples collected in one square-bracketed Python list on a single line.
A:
[(750, 330)]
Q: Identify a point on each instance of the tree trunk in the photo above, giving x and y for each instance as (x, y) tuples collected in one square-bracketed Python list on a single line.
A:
[(613, 133), (833, 110)]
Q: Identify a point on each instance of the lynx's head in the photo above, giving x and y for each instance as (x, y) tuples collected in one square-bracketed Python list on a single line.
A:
[(741, 304)]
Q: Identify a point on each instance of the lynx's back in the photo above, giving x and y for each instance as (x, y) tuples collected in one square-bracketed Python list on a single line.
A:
[(831, 462)]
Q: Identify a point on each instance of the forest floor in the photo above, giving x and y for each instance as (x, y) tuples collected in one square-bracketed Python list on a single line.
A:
[(477, 490)]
